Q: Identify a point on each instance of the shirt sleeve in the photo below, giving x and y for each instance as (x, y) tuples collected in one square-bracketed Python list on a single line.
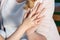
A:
[(2, 33), (47, 26)]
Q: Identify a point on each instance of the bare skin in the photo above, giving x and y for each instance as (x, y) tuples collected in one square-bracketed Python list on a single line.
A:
[(36, 36), (1, 38), (33, 21), (32, 35)]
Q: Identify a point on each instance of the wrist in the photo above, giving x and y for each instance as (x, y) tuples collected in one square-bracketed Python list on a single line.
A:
[(28, 33), (24, 27)]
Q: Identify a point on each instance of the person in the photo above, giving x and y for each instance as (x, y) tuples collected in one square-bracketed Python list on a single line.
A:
[(44, 31), (13, 20), (47, 26)]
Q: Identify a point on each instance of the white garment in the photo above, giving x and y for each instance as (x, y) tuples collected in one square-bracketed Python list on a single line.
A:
[(47, 26), (13, 12), (12, 15)]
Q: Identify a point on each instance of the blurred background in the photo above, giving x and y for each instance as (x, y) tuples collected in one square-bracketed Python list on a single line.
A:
[(57, 14)]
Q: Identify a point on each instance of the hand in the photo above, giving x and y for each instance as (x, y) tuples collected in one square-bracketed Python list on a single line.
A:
[(32, 17), (41, 10)]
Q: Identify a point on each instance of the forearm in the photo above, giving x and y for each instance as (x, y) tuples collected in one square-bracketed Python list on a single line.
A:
[(1, 38), (17, 34), (35, 36)]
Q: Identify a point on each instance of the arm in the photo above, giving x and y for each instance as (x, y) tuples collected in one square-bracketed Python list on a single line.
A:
[(32, 35), (31, 20), (47, 26), (1, 38), (18, 33), (36, 36)]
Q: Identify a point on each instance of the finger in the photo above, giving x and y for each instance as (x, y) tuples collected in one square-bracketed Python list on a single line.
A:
[(38, 15), (34, 10), (33, 29), (36, 7), (26, 14), (41, 7), (35, 16), (38, 20), (42, 13)]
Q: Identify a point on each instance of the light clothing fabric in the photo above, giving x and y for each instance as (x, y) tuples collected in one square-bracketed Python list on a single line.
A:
[(47, 26), (2, 33), (13, 13), (12, 16)]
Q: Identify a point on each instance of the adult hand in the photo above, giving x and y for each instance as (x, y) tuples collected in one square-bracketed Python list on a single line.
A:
[(32, 17), (41, 9)]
